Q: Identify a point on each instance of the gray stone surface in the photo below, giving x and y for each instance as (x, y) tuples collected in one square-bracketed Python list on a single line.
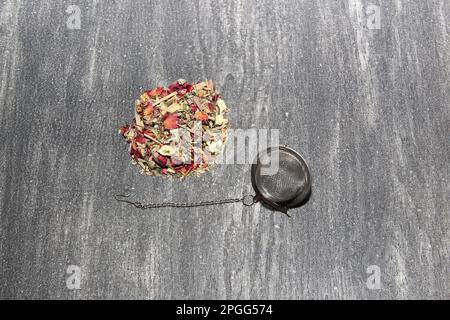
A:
[(368, 108)]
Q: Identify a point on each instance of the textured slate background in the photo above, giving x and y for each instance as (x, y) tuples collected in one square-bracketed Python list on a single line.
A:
[(368, 108)]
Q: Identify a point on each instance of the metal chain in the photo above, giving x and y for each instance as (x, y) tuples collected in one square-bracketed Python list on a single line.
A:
[(247, 200)]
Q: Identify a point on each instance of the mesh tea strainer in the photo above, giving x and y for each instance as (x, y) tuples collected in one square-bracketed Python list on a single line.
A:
[(280, 178)]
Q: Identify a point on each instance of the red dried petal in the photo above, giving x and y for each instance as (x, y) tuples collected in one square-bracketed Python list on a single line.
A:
[(171, 121), (124, 130), (174, 86), (155, 92), (140, 139), (183, 89), (164, 93), (136, 154), (186, 168), (181, 92), (193, 107), (161, 160)]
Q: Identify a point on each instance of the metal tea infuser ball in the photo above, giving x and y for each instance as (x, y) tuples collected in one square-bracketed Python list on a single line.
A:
[(280, 178)]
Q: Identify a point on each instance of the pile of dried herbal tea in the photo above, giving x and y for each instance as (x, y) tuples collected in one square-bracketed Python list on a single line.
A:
[(178, 130)]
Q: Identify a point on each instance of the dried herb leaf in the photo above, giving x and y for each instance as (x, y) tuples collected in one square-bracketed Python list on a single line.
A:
[(166, 150)]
